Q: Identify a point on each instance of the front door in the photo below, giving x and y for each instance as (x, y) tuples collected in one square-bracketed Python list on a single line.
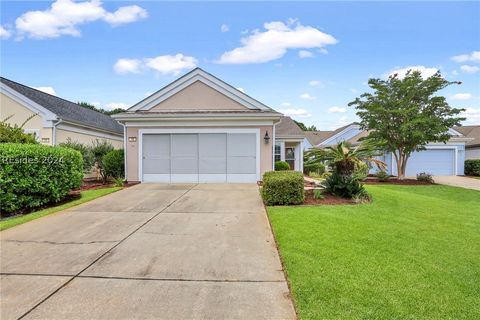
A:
[(290, 157)]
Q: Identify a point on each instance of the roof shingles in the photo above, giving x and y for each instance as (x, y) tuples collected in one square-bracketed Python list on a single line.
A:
[(66, 110)]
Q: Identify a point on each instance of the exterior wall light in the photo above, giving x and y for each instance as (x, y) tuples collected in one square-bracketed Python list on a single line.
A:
[(266, 138), (132, 139), (45, 140)]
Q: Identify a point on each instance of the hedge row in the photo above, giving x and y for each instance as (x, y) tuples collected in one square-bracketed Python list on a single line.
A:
[(283, 188), (472, 167), (32, 175)]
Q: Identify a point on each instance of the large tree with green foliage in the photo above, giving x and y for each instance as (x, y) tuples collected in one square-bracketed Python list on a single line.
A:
[(304, 127), (404, 114), (92, 107)]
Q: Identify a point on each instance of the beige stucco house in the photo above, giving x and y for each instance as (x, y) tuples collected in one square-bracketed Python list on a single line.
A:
[(200, 129), (52, 119)]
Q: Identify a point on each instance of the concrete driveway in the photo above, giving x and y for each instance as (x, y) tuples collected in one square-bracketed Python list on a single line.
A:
[(458, 181), (150, 251)]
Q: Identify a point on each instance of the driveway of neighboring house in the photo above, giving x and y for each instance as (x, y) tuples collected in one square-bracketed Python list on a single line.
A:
[(150, 251), (458, 181)]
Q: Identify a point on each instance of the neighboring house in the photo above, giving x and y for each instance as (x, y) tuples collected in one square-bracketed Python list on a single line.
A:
[(199, 129), (472, 147), (54, 119), (289, 140), (438, 159)]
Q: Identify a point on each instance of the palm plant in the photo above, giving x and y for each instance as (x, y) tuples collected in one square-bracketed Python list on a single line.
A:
[(346, 158)]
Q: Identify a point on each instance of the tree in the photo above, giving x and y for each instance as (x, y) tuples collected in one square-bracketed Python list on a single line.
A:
[(404, 115), (86, 152), (92, 107), (304, 127), (99, 149)]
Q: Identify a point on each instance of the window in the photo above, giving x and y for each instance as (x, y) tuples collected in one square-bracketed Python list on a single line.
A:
[(278, 152), (290, 157)]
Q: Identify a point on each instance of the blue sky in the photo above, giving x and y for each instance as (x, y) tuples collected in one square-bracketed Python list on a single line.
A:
[(306, 59)]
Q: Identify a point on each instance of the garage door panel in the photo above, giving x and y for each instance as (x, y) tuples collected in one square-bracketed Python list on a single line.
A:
[(184, 145), (156, 165), (184, 165), (440, 162), (241, 165), (241, 144), (156, 154), (212, 145), (212, 165)]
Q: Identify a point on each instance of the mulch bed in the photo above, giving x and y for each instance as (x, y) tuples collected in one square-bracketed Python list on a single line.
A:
[(407, 182), (327, 200)]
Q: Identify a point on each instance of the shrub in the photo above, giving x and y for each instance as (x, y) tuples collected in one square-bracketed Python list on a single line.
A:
[(345, 186), (14, 134), (283, 188), (318, 194), (84, 150), (32, 175), (427, 177), (99, 149), (281, 166), (472, 167), (114, 164), (382, 176), (118, 182), (314, 168)]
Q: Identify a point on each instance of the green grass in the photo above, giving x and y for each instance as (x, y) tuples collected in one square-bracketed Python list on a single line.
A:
[(85, 196), (414, 253)]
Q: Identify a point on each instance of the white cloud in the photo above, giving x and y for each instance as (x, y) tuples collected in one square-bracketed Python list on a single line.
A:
[(224, 28), (455, 72), (315, 83), (64, 16), (48, 90), (353, 90), (128, 66), (4, 33), (337, 109), (167, 64), (307, 96), (125, 15), (294, 112), (469, 69), (305, 54), (115, 105), (323, 51), (462, 96), (426, 72), (272, 43), (472, 115), (241, 89), (474, 56), (171, 64)]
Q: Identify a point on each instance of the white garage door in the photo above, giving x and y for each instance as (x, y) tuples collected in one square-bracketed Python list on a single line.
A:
[(440, 162), (199, 157)]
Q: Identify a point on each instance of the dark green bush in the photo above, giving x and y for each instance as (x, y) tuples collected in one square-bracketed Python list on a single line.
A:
[(283, 188), (317, 168), (114, 164), (472, 167), (14, 134), (281, 166), (32, 175), (99, 149), (382, 176), (84, 150), (345, 186)]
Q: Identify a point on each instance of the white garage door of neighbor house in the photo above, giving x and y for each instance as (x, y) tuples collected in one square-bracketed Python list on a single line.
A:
[(440, 162), (199, 157)]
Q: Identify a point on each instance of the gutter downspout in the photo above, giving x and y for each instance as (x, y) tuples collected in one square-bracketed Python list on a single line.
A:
[(54, 138)]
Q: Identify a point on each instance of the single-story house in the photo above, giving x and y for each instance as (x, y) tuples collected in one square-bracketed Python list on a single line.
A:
[(438, 159), (199, 129), (472, 147), (53, 119)]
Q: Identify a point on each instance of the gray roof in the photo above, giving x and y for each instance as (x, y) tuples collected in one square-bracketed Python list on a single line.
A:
[(470, 132), (66, 110), (288, 127)]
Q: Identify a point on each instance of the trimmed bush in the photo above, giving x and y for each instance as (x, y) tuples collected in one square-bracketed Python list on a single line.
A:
[(345, 186), (114, 164), (281, 166), (317, 168), (283, 188), (382, 176), (472, 167), (32, 175)]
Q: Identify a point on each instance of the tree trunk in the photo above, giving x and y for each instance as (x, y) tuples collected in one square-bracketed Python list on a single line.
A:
[(400, 169)]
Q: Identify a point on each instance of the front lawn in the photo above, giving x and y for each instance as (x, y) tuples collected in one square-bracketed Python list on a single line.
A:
[(414, 253), (85, 196)]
